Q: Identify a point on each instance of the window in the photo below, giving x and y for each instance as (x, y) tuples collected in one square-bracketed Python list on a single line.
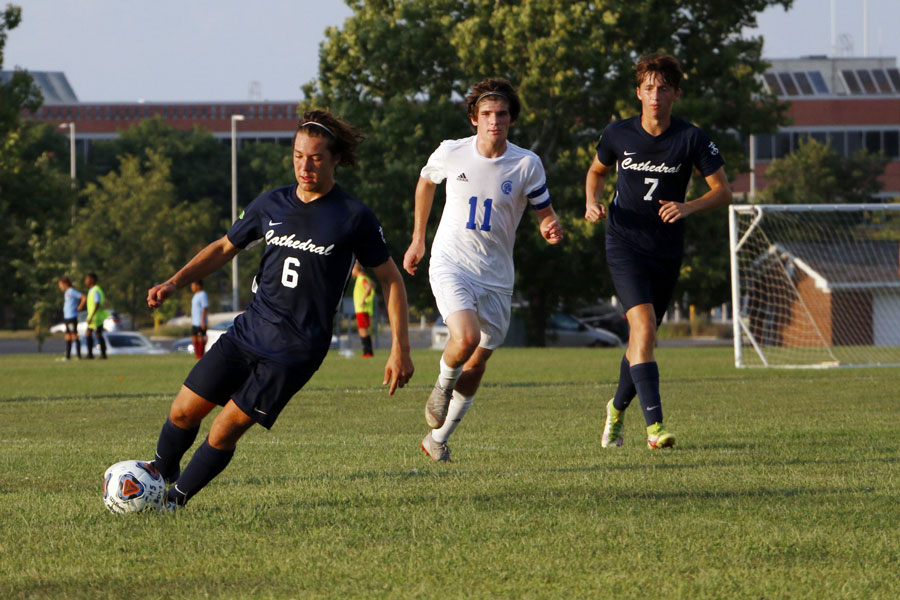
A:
[(820, 136), (882, 80), (818, 82), (854, 141), (894, 76), (873, 141), (773, 84), (803, 83), (782, 144), (836, 142), (764, 146), (788, 82), (891, 145), (867, 82), (852, 84)]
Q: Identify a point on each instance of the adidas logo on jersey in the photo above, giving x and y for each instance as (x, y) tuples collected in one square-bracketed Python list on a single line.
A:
[(462, 177)]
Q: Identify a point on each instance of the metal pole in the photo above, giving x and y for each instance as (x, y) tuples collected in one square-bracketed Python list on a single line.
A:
[(752, 168), (234, 261), (71, 126)]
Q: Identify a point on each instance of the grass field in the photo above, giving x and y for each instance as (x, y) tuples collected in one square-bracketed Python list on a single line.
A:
[(784, 484)]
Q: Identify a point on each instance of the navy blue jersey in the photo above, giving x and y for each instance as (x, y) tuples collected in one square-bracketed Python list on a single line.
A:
[(310, 251), (650, 169)]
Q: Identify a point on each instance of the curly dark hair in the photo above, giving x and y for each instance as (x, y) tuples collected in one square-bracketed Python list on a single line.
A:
[(344, 138), (494, 88)]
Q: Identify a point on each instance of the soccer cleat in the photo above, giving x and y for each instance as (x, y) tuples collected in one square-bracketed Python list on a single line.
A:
[(612, 431), (171, 506), (437, 405), (658, 437), (438, 451)]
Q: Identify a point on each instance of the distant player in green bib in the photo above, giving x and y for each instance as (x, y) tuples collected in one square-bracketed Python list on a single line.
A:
[(364, 306), (96, 314)]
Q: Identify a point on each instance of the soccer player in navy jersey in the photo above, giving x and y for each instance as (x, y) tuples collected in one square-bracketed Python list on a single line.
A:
[(655, 155), (313, 233)]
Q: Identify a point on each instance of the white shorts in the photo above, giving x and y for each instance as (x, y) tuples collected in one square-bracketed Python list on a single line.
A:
[(454, 293)]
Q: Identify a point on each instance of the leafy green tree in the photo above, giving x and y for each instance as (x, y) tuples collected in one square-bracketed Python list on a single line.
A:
[(134, 231), (35, 195), (816, 174), (399, 69)]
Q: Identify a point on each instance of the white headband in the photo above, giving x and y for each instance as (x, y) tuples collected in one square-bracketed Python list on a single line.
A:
[(302, 125)]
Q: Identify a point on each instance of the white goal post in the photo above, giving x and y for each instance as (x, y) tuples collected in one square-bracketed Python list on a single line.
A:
[(815, 285)]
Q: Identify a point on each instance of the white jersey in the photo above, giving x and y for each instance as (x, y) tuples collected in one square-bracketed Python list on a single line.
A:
[(486, 198)]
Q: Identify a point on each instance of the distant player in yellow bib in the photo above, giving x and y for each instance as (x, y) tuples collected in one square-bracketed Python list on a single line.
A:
[(96, 314), (364, 305)]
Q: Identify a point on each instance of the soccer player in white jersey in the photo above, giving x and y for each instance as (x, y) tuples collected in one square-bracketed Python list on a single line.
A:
[(490, 183)]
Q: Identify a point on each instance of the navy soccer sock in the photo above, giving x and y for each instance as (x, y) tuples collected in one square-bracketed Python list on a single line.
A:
[(68, 348), (626, 391), (172, 444), (78, 347), (206, 463), (646, 381), (90, 345)]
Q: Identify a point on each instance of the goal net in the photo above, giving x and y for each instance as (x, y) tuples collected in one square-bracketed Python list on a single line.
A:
[(816, 285)]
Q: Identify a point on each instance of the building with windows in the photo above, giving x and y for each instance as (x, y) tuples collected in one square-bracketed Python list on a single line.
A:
[(847, 103)]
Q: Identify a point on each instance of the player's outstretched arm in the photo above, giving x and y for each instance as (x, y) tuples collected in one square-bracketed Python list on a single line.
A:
[(424, 199), (399, 367), (593, 185), (551, 229), (719, 194), (205, 262)]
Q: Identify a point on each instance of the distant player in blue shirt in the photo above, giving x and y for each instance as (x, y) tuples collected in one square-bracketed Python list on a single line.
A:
[(71, 302), (654, 155), (313, 233), (199, 317)]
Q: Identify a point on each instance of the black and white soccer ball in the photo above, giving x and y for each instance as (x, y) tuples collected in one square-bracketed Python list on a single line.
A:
[(133, 486)]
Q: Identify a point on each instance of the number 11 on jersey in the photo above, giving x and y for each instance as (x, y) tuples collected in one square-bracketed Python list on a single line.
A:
[(473, 204)]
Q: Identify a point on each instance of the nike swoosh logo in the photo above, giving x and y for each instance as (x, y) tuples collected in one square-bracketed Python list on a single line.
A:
[(627, 153), (652, 407), (271, 224)]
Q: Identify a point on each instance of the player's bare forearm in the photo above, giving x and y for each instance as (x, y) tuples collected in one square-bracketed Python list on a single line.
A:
[(593, 185), (399, 367), (719, 194), (551, 229), (424, 199), (204, 263)]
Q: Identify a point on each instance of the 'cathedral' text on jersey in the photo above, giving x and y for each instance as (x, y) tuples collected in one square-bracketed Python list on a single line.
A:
[(653, 168), (309, 252), (486, 198)]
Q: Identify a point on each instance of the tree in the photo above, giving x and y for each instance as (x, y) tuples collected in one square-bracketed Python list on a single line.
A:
[(399, 69), (134, 232), (35, 196), (816, 174)]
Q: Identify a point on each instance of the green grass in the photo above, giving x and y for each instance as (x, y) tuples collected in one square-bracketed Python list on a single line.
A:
[(784, 484)]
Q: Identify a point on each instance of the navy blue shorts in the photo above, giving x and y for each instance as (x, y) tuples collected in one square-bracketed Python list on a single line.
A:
[(71, 325), (261, 388), (198, 330), (641, 279)]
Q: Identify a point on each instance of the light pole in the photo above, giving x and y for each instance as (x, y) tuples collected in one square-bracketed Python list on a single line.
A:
[(71, 126), (234, 261)]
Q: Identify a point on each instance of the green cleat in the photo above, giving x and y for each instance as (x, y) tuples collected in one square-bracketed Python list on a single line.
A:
[(658, 437), (612, 432)]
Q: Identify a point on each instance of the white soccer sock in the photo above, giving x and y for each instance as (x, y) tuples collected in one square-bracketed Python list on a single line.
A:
[(459, 406), (449, 375)]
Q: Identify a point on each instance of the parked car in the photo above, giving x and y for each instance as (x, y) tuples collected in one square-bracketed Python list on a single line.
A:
[(565, 330), (213, 333), (110, 323), (607, 316), (562, 330), (128, 342)]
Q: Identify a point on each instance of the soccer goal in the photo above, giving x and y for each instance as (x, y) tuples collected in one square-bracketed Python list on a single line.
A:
[(815, 286)]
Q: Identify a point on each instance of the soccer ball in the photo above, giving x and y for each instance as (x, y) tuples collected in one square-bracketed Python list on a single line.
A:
[(132, 486)]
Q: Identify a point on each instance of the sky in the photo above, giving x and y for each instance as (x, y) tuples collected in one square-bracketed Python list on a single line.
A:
[(234, 50)]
